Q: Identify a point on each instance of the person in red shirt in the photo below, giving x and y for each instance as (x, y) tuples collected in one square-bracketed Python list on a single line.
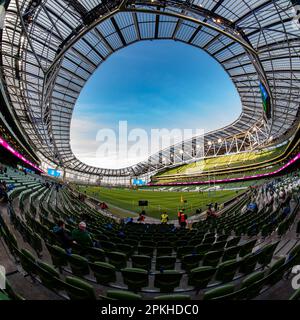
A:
[(183, 218)]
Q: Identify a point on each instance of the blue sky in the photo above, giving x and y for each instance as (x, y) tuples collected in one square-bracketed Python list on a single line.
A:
[(152, 84)]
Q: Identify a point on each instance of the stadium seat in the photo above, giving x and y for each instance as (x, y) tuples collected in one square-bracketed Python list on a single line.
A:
[(58, 256), (201, 276), (125, 248), (182, 251), (165, 263), (167, 281), (95, 254), (231, 253), (218, 292), (227, 270), (248, 263), (78, 289), (121, 295), (107, 246), (47, 275), (79, 265), (212, 258), (117, 259), (103, 272), (135, 278), (27, 261), (266, 254), (164, 251), (145, 251), (191, 261), (218, 245), (203, 248), (253, 284), (247, 248), (141, 262), (233, 242)]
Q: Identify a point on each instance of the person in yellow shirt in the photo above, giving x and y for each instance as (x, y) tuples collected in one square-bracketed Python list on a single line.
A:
[(164, 218)]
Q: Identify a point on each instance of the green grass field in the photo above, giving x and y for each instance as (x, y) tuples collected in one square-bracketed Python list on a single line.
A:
[(157, 201)]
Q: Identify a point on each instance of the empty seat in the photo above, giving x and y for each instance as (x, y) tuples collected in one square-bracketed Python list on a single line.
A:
[(167, 281), (141, 262), (212, 258), (103, 272), (135, 278), (201, 276), (165, 263), (117, 259)]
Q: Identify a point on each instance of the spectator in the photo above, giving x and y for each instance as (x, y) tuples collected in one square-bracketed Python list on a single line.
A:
[(63, 237), (183, 219), (179, 215), (141, 217), (164, 218), (252, 207), (82, 236), (128, 220), (216, 207)]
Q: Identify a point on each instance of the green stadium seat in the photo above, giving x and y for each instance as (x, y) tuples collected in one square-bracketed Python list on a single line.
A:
[(212, 258), (122, 295), (253, 284), (58, 256), (203, 248), (218, 292), (107, 246), (141, 262), (231, 253), (233, 242), (117, 259), (191, 261), (125, 248), (27, 261), (78, 289), (95, 254), (4, 296), (247, 248), (165, 263), (167, 281), (201, 276), (145, 251), (135, 278), (164, 251), (103, 272), (248, 263), (218, 245), (47, 275), (182, 251), (79, 265), (227, 270), (266, 254)]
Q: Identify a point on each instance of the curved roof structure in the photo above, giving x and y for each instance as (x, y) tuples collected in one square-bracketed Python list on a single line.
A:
[(50, 48)]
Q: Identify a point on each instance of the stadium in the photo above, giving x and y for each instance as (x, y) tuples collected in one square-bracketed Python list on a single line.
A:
[(215, 216)]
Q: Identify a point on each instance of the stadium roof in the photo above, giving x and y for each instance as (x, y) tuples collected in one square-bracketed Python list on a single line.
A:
[(51, 48)]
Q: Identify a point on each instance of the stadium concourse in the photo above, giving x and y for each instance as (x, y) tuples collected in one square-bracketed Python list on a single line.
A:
[(70, 231)]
